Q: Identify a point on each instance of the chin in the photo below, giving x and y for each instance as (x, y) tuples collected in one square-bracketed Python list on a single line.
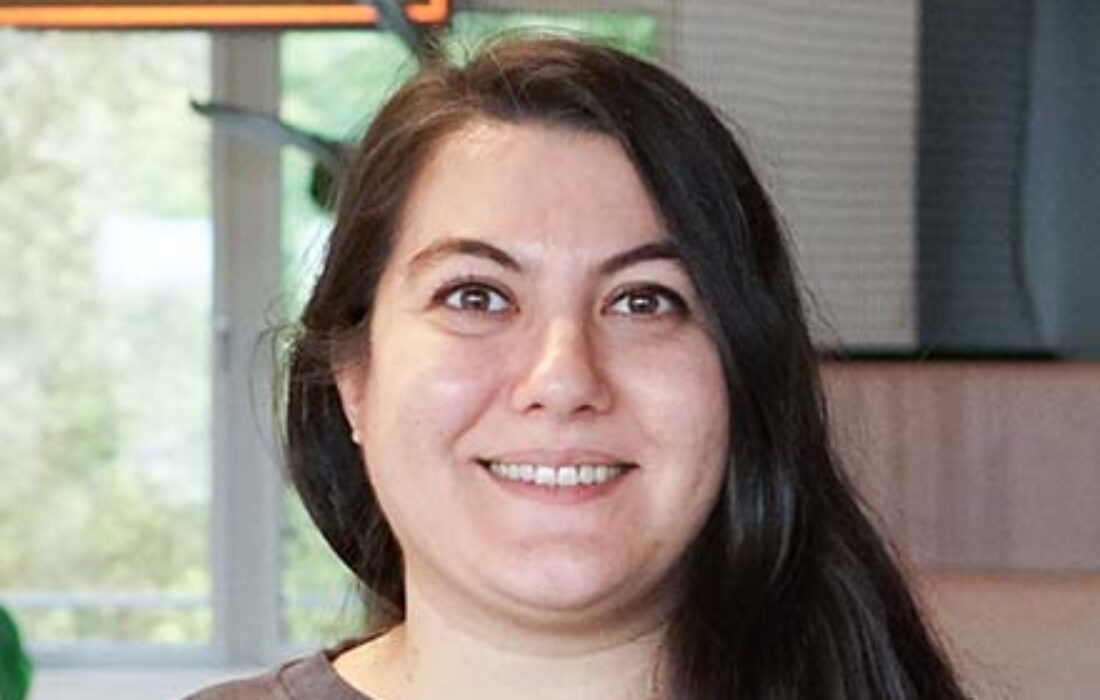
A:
[(567, 584)]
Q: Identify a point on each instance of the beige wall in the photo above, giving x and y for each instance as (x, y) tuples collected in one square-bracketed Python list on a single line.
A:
[(827, 95)]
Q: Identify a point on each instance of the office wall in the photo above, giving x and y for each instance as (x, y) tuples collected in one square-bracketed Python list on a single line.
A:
[(827, 95)]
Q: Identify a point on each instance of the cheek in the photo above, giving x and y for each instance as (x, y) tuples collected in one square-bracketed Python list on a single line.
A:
[(422, 397), (681, 393), (684, 415), (421, 391)]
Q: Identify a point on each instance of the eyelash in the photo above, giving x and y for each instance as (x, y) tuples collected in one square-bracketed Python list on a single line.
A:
[(674, 303), (466, 284)]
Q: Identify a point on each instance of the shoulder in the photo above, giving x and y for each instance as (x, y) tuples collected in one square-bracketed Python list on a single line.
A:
[(264, 687), (309, 678)]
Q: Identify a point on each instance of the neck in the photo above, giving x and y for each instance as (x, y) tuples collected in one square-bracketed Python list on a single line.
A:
[(434, 654)]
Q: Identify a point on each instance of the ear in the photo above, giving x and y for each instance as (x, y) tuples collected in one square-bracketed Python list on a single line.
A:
[(350, 381)]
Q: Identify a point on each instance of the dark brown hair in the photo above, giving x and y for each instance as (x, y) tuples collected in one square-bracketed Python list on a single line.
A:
[(792, 592)]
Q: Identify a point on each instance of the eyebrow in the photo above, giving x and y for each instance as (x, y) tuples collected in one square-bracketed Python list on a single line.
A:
[(657, 250), (432, 254), (461, 246)]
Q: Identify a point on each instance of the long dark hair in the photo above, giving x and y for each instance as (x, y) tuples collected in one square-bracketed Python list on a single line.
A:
[(792, 593)]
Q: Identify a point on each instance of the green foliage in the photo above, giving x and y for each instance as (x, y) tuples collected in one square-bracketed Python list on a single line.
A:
[(15, 668), (106, 387)]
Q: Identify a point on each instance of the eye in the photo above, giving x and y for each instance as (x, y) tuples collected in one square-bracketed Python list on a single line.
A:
[(474, 296), (647, 301)]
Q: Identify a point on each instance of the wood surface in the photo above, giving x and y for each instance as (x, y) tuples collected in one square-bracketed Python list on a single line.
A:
[(976, 466)]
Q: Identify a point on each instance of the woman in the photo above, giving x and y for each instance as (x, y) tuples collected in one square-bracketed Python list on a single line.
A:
[(554, 402)]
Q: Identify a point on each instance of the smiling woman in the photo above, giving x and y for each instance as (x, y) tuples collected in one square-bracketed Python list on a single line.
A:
[(554, 403)]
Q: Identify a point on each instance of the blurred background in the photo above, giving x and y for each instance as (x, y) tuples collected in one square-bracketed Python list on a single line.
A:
[(938, 164)]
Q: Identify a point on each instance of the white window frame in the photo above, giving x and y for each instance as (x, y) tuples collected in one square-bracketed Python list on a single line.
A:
[(247, 488)]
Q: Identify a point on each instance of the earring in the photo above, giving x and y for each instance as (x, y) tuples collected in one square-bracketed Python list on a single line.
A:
[(355, 436)]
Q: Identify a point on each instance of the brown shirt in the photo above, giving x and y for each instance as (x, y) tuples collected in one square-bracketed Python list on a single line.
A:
[(310, 678)]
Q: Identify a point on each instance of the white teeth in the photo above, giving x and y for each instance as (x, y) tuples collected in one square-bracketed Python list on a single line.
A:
[(562, 477), (567, 476)]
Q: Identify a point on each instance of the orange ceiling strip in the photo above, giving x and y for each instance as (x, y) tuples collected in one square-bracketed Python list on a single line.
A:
[(210, 15)]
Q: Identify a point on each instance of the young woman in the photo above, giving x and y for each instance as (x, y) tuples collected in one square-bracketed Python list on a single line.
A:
[(553, 401)]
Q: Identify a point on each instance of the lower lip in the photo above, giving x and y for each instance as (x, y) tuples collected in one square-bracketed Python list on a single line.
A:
[(558, 495)]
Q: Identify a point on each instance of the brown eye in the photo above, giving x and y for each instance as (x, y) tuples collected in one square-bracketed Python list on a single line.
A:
[(642, 304), (647, 301), (476, 297)]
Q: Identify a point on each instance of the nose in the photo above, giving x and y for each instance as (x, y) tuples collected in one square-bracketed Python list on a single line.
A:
[(562, 376)]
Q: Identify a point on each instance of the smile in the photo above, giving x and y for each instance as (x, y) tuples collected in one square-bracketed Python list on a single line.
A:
[(566, 476)]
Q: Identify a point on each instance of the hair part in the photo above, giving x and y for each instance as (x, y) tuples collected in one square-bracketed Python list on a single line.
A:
[(792, 593)]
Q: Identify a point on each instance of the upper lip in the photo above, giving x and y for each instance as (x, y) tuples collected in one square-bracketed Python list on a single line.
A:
[(555, 458)]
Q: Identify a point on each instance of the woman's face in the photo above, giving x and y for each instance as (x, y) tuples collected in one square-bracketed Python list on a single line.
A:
[(541, 408)]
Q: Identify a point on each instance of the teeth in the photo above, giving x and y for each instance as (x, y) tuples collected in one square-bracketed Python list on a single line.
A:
[(560, 477), (567, 476), (544, 476)]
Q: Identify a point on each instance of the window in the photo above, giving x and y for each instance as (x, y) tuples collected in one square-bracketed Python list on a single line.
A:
[(105, 262)]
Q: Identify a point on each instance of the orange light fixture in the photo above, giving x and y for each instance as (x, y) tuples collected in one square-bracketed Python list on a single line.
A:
[(135, 15)]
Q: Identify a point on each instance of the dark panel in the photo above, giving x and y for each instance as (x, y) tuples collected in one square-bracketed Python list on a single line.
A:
[(974, 95), (1061, 218)]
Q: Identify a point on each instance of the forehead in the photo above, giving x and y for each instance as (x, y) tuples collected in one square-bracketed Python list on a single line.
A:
[(537, 189)]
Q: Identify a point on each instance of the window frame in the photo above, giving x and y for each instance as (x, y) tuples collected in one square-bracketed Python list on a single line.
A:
[(246, 503)]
